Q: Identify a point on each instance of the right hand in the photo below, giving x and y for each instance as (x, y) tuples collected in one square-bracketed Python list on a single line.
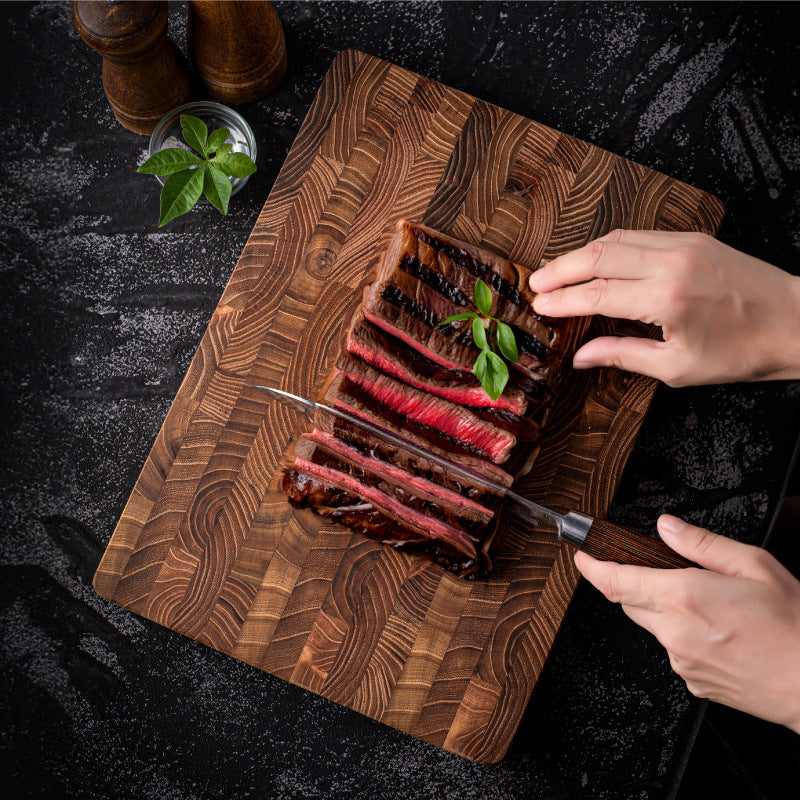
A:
[(725, 316)]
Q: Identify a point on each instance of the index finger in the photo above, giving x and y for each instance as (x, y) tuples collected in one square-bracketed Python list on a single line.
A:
[(619, 254), (622, 583)]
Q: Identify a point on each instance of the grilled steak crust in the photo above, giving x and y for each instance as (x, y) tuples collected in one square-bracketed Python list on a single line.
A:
[(400, 369)]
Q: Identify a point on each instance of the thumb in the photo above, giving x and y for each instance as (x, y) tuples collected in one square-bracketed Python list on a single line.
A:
[(709, 550), (645, 356)]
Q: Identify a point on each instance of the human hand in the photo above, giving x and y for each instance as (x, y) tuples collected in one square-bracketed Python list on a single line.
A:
[(732, 631), (725, 316)]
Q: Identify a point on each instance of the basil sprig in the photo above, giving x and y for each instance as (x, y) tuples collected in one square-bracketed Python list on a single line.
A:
[(489, 368), (204, 171)]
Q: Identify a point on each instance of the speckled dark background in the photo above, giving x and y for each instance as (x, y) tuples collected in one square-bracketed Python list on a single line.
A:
[(102, 313)]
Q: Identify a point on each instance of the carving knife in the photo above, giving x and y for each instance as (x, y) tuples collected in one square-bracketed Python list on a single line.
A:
[(601, 539)]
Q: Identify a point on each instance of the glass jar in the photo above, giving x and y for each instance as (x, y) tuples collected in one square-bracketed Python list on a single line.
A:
[(168, 132)]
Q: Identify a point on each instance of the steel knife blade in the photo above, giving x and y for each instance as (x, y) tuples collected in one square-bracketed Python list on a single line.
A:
[(604, 540)]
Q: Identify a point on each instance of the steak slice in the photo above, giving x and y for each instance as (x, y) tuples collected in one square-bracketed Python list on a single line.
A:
[(446, 419), (345, 397), (389, 506), (369, 343), (408, 322), (415, 465), (415, 491), (352, 511)]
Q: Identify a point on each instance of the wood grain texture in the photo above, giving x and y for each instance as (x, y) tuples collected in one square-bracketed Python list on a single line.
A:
[(207, 544)]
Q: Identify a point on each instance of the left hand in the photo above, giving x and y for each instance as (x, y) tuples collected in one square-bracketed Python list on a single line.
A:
[(732, 630)]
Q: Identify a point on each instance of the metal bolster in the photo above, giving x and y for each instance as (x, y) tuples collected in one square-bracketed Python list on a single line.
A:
[(575, 527)]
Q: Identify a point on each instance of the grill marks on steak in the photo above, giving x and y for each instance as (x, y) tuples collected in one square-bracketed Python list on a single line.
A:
[(456, 423), (414, 286), (420, 493), (403, 372), (368, 343), (350, 510), (419, 523)]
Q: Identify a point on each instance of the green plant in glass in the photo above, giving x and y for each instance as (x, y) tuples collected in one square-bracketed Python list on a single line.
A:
[(205, 169)]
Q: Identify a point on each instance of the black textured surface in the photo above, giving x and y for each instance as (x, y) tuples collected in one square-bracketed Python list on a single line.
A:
[(102, 312)]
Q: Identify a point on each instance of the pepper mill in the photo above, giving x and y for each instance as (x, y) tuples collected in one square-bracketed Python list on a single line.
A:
[(238, 48), (143, 77)]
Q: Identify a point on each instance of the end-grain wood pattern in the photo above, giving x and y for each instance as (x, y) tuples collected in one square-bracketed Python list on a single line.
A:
[(207, 544)]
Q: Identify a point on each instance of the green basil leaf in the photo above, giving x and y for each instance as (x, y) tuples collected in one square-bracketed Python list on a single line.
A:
[(506, 341), (169, 160), (483, 297), (217, 139), (217, 188), (457, 317), (496, 375), (237, 165), (479, 333), (480, 366), (224, 148), (181, 191), (195, 133)]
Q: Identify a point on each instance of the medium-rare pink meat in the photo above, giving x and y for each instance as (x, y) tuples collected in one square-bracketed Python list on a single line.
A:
[(369, 344), (422, 437), (403, 371), (412, 519), (417, 492), (448, 419)]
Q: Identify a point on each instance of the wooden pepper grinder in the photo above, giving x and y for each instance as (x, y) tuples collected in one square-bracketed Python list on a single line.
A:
[(143, 77), (238, 48)]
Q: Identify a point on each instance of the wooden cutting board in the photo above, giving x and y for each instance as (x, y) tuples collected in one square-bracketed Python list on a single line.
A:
[(209, 547)]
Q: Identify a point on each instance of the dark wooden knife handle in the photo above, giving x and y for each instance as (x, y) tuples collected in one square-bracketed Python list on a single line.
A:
[(610, 542)]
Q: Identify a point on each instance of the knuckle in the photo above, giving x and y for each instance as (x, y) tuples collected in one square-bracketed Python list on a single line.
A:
[(617, 235), (598, 252), (611, 589), (681, 595), (707, 542), (671, 295), (595, 292), (684, 261)]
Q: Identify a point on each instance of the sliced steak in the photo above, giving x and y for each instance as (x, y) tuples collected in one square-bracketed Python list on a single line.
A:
[(389, 506), (446, 419), (415, 465), (419, 493), (346, 397), (404, 319), (369, 343), (352, 511)]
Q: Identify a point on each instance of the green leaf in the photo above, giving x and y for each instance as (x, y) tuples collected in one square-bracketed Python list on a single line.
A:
[(224, 148), (169, 160), (457, 317), (195, 133), (479, 333), (483, 297), (480, 366), (495, 375), (181, 191), (506, 341), (217, 139), (217, 188), (237, 165)]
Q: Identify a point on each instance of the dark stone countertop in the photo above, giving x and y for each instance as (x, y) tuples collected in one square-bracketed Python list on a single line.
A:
[(102, 313)]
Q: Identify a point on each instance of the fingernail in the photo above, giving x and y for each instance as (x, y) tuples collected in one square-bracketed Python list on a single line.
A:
[(669, 524), (542, 299), (581, 362)]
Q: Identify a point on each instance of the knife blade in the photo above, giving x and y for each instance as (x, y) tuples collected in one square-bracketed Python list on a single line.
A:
[(600, 538)]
